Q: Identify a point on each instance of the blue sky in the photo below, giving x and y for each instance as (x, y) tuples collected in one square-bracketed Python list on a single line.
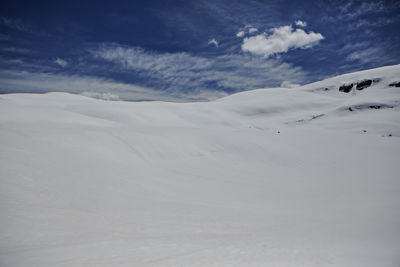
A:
[(189, 50)]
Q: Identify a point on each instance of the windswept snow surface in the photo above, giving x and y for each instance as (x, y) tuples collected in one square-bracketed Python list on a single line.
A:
[(86, 182)]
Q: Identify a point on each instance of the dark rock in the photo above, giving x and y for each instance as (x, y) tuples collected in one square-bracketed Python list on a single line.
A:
[(350, 109), (375, 107), (317, 116), (363, 84), (395, 84), (346, 88), (389, 135), (327, 88), (364, 131)]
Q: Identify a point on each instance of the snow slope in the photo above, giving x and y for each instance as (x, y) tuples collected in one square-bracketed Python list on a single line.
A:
[(269, 177)]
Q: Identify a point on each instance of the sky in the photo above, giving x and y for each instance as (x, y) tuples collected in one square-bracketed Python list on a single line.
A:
[(189, 50)]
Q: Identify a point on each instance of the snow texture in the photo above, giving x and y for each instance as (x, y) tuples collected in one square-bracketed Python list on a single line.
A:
[(269, 177)]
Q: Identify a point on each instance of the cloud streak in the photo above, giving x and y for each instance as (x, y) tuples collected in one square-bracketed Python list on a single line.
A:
[(16, 24), (112, 71), (188, 73), (107, 89)]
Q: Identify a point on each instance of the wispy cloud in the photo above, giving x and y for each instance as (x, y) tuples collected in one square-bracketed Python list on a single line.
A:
[(4, 37), (16, 50), (61, 62), (289, 84), (213, 42), (358, 14), (32, 82), (188, 73), (358, 8), (16, 24), (367, 55), (280, 41), (247, 30), (364, 23), (152, 75)]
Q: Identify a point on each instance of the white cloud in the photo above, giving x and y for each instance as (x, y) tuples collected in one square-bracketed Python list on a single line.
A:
[(213, 41), (240, 34), (300, 23), (252, 30), (280, 41), (61, 62)]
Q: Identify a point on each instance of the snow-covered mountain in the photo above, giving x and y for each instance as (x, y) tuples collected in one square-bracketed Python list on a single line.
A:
[(306, 176)]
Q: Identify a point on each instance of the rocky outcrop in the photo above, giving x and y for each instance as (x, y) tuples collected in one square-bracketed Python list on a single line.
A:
[(395, 84), (375, 106), (346, 88), (363, 84)]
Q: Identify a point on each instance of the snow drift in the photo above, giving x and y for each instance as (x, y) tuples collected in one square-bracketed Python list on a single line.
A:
[(306, 176)]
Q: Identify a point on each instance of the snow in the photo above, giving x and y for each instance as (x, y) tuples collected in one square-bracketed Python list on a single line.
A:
[(87, 182)]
